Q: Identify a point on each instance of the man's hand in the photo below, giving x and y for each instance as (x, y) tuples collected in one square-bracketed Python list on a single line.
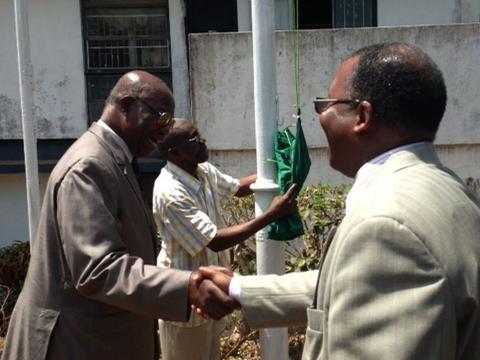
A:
[(219, 275), (283, 205), (205, 295)]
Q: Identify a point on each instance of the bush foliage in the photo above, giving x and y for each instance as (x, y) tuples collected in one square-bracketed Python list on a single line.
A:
[(13, 269), (321, 208)]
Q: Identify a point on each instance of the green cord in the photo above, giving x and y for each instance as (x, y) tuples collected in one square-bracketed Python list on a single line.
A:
[(296, 52)]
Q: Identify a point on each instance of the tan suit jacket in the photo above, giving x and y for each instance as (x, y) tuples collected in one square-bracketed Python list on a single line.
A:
[(400, 279), (92, 289)]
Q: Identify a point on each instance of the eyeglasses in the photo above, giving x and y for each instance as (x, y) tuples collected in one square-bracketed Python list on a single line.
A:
[(164, 120), (322, 104), (194, 139)]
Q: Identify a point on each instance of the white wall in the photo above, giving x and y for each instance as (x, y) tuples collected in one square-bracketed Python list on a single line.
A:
[(13, 207), (57, 57), (417, 12), (222, 88)]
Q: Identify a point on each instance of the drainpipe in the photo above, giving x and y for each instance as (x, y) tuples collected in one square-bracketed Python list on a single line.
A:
[(25, 74), (270, 253)]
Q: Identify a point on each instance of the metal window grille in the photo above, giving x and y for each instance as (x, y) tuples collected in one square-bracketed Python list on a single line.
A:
[(122, 41), (354, 13), (121, 36)]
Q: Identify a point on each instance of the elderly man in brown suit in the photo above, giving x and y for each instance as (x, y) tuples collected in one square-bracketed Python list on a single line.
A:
[(93, 290)]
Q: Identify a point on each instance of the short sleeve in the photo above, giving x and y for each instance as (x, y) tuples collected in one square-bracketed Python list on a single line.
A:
[(226, 185), (188, 225)]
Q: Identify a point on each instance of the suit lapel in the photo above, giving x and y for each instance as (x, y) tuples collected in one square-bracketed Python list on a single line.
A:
[(124, 165), (418, 153), (326, 246), (132, 180)]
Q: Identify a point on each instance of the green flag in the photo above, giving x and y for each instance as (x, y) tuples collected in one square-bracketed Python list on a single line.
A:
[(293, 164)]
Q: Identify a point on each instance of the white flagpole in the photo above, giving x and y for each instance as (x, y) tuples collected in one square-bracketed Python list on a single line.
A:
[(270, 253), (29, 128)]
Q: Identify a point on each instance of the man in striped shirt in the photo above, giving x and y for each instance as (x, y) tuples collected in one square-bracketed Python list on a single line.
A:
[(186, 208)]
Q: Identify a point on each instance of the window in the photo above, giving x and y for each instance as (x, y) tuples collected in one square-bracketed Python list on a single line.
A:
[(317, 14), (314, 14), (211, 15), (354, 13), (120, 36)]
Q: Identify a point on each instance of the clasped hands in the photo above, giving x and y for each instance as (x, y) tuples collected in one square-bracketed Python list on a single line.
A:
[(208, 292), (208, 287)]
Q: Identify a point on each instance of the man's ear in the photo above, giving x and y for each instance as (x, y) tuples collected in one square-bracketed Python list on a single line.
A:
[(125, 103), (171, 153), (364, 117)]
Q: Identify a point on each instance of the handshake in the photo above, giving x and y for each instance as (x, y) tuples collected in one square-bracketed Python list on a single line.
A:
[(208, 287), (208, 292)]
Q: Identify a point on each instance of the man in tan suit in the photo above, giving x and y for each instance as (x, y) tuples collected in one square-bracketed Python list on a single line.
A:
[(93, 290), (400, 279)]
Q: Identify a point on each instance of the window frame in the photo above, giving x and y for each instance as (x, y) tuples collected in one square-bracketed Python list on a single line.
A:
[(165, 73)]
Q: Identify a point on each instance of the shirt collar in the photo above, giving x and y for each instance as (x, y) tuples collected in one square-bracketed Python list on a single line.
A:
[(120, 142), (184, 177), (365, 172)]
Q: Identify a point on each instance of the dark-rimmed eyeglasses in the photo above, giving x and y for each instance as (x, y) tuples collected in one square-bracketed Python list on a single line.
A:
[(321, 104), (164, 120), (195, 139)]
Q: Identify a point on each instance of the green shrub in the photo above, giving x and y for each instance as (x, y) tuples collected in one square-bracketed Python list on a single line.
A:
[(13, 269), (321, 208)]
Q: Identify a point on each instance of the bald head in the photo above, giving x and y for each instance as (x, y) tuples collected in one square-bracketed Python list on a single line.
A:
[(139, 109), (142, 85)]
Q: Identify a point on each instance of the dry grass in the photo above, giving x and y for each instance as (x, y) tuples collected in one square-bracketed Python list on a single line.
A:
[(239, 342)]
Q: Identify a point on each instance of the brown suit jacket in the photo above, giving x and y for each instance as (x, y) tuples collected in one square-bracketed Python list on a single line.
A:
[(92, 289)]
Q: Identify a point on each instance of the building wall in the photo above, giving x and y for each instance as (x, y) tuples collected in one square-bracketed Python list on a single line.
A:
[(58, 79), (59, 89), (13, 207), (390, 12), (414, 12), (222, 89), (227, 118)]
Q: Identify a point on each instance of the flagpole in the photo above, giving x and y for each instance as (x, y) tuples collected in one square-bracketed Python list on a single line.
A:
[(270, 253), (25, 75)]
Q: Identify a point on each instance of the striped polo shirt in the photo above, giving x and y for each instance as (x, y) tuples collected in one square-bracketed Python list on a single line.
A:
[(187, 213)]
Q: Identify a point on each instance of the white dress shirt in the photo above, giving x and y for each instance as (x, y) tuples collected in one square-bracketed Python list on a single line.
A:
[(120, 142)]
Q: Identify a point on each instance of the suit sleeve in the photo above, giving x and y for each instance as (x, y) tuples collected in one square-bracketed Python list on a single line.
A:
[(97, 260), (389, 297), (277, 300)]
